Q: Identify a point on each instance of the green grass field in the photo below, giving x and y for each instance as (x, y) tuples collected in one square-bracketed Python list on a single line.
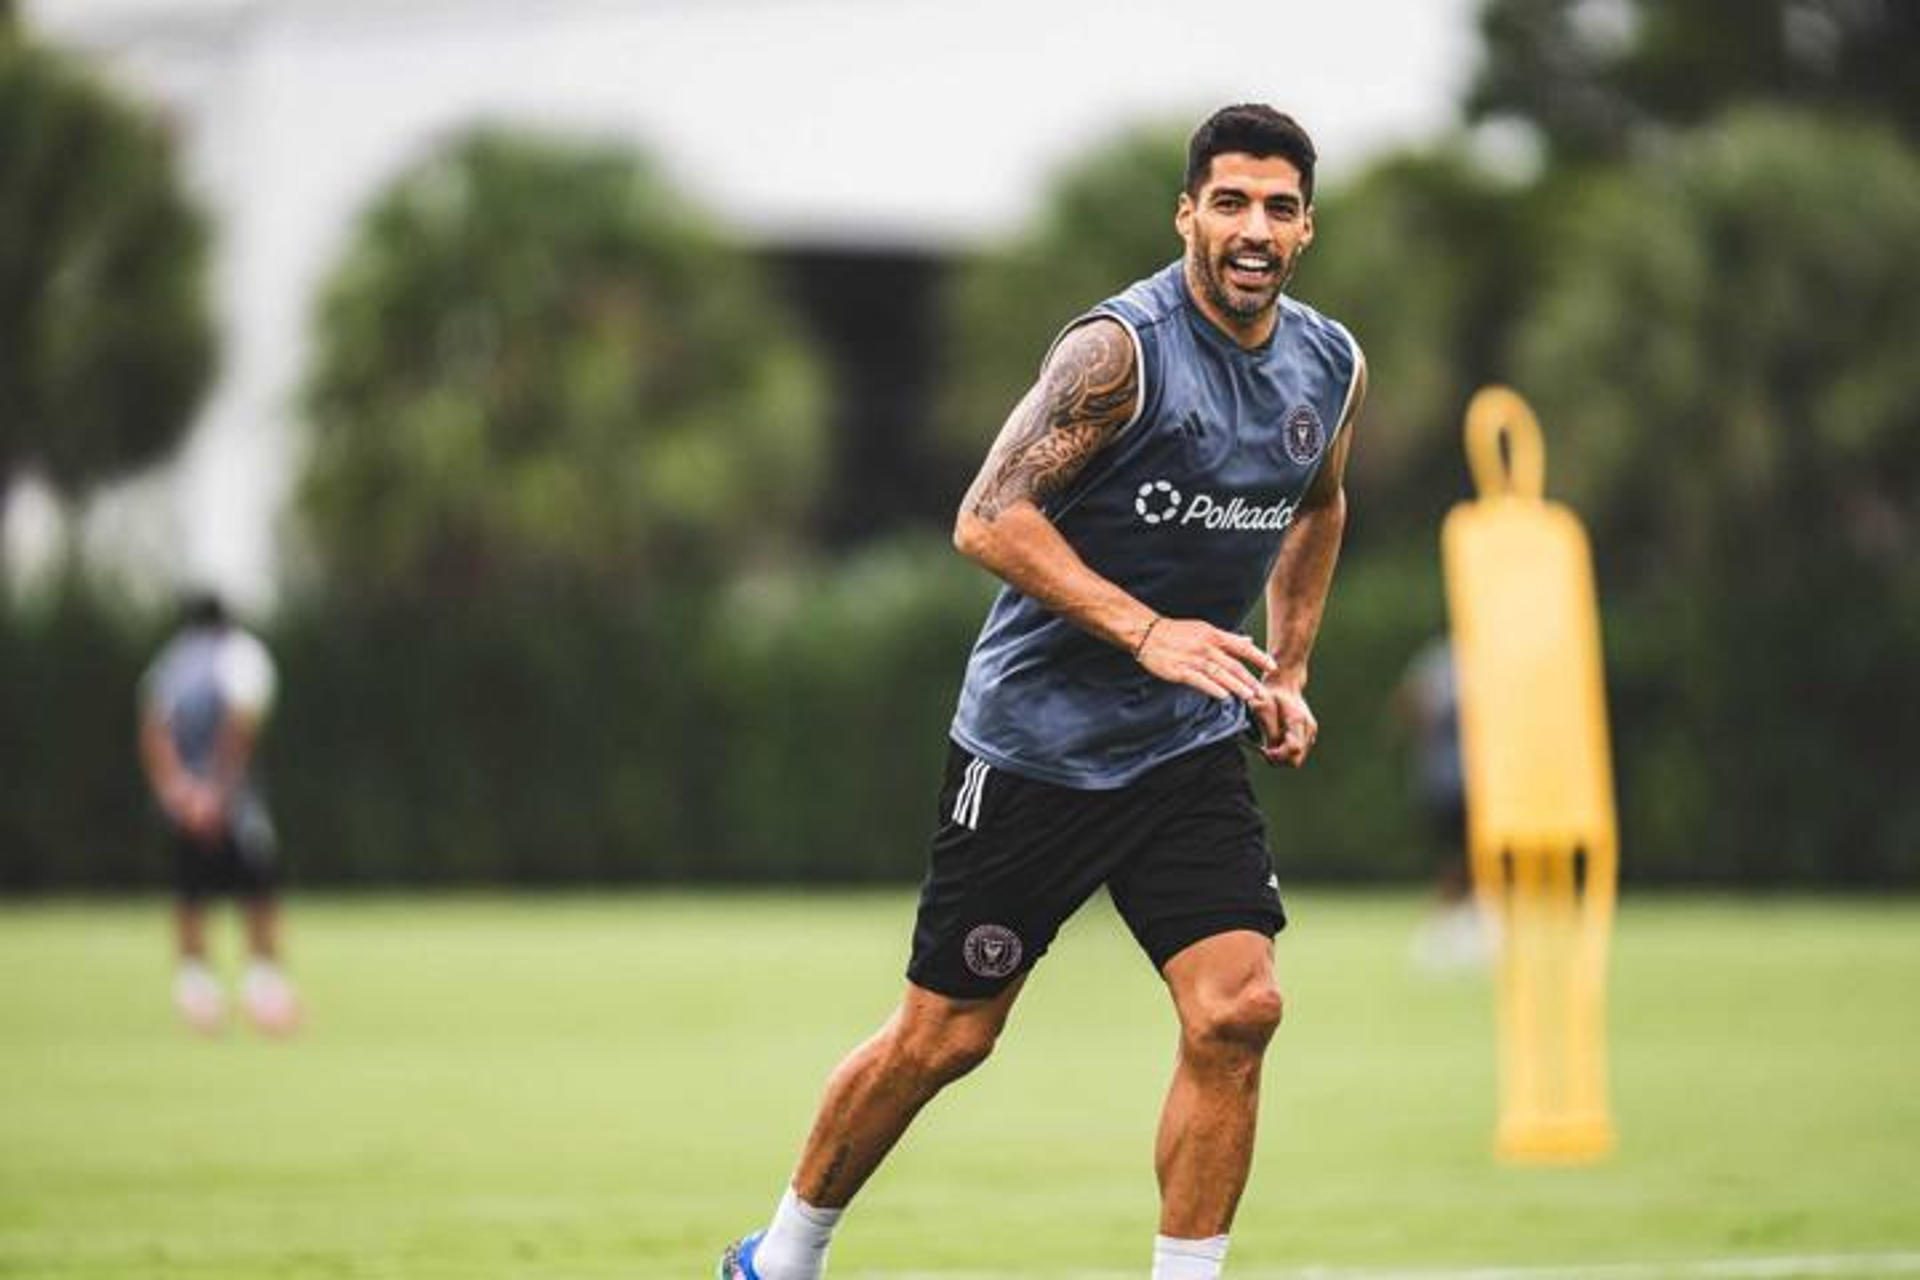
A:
[(614, 1086)]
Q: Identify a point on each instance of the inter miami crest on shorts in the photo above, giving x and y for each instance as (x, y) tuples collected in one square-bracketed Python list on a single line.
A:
[(992, 951)]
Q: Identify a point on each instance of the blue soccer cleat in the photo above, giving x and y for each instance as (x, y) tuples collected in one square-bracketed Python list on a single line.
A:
[(737, 1262)]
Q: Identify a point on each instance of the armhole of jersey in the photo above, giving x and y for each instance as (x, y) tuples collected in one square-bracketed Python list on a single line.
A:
[(1139, 361), (1353, 382), (245, 671), (153, 686)]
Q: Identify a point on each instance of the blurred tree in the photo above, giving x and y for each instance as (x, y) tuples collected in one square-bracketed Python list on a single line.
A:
[(1108, 220), (1592, 73), (1725, 354), (105, 340), (537, 367), (1741, 311), (1429, 260)]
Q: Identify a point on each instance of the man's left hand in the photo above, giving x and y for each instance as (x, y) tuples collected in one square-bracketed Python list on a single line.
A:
[(1287, 726)]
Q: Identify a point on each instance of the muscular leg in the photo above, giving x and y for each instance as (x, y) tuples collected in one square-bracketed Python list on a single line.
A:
[(196, 992), (190, 929), (1229, 1006), (268, 996), (262, 915), (874, 1094)]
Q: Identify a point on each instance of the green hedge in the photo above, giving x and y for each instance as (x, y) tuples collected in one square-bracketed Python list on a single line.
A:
[(791, 728), (788, 728), (73, 808)]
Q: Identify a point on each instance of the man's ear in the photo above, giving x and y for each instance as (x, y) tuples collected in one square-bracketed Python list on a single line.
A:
[(1183, 216)]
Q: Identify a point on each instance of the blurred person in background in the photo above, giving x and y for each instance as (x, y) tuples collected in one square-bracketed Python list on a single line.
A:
[(1456, 935), (1180, 458), (203, 703)]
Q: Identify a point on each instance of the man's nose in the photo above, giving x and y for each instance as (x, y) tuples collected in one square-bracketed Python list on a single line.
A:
[(1256, 225)]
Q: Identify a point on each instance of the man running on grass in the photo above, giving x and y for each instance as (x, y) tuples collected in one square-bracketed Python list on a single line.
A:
[(1179, 458)]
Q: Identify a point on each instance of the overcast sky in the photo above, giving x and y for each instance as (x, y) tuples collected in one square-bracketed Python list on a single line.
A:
[(886, 121)]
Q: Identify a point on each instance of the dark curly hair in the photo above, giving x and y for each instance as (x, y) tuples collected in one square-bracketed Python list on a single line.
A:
[(1254, 129), (203, 609)]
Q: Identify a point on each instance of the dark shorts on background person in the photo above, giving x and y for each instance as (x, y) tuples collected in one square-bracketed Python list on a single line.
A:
[(1182, 850), (228, 867)]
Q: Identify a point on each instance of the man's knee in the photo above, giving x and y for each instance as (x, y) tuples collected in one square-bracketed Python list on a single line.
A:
[(940, 1051), (1242, 1020)]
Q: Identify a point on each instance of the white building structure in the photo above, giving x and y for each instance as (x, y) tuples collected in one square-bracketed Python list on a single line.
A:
[(931, 123)]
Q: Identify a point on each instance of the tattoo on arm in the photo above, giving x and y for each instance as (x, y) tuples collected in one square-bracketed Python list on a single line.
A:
[(1085, 395)]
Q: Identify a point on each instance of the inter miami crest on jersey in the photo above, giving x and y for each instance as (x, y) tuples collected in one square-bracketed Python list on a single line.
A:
[(1304, 435)]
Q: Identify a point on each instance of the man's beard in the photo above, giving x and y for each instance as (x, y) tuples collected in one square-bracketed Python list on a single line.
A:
[(1232, 301)]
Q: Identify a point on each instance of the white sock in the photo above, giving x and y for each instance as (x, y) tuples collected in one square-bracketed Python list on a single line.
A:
[(262, 975), (795, 1246), (197, 995), (1188, 1259)]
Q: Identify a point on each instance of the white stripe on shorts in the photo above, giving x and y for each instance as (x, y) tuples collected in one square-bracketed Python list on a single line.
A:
[(960, 796), (966, 805), (979, 791)]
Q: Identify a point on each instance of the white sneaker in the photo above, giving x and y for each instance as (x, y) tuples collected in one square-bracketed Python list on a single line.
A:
[(269, 1000), (197, 996)]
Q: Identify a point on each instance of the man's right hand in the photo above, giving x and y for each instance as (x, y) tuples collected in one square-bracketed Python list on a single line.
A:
[(198, 809), (1220, 664)]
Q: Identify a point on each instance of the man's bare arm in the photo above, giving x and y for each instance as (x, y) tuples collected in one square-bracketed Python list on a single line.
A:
[(192, 804), (1086, 395), (1297, 593), (158, 758), (233, 751)]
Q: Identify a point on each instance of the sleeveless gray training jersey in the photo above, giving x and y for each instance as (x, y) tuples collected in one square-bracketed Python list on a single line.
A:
[(1185, 509)]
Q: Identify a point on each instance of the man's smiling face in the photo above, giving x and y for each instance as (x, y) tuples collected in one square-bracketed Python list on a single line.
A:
[(1244, 232)]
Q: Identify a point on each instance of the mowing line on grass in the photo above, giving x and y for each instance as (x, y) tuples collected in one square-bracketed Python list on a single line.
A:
[(1841, 1266)]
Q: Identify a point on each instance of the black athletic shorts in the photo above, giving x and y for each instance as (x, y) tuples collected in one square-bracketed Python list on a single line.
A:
[(229, 867), (1182, 850)]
